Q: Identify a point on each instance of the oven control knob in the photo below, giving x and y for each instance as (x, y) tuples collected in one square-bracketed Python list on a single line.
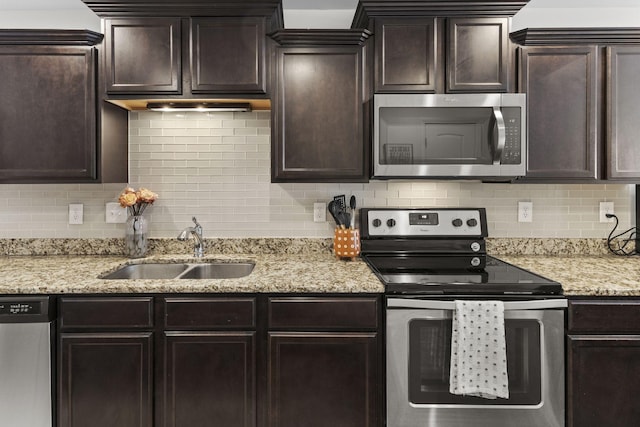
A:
[(457, 222), (377, 223), (475, 261), (472, 222), (475, 246), (391, 223)]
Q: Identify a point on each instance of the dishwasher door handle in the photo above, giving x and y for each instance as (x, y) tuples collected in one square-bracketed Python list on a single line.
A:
[(541, 304)]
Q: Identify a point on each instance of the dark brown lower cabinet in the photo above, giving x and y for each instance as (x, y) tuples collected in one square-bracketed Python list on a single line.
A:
[(210, 379), (603, 363), (106, 379), (604, 385), (219, 361), (322, 379)]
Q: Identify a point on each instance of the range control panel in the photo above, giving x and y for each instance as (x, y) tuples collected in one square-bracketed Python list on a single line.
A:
[(443, 222)]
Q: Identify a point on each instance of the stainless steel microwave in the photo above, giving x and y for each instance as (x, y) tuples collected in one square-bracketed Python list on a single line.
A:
[(466, 136)]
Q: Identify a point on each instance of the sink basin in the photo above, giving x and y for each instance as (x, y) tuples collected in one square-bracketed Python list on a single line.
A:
[(159, 271), (218, 271), (148, 271)]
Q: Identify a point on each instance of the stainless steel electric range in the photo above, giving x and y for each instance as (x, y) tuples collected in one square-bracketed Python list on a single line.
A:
[(427, 259)]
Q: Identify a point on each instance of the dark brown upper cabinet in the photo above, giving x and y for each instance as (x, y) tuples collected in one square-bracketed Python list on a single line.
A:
[(227, 55), (435, 55), (223, 55), (48, 111), (561, 83), (623, 117), (478, 55), (142, 55), (318, 107), (407, 55), (434, 46), (582, 91)]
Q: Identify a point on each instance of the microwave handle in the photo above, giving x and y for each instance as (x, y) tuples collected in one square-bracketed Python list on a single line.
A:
[(497, 114), (540, 304)]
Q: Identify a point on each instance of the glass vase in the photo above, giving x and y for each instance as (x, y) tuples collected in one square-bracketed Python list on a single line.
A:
[(135, 238)]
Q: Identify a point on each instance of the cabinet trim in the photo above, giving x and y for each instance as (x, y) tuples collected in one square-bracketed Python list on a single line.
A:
[(367, 10), (50, 37), (565, 36)]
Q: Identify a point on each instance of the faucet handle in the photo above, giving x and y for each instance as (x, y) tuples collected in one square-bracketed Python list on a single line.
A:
[(198, 226)]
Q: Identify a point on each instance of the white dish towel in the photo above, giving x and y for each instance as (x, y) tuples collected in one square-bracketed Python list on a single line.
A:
[(478, 350)]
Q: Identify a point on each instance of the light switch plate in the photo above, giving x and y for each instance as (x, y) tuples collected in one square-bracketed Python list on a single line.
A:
[(115, 214), (76, 213)]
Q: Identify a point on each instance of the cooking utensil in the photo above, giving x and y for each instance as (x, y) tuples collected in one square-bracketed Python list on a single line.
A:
[(341, 201), (352, 205), (345, 218), (334, 210)]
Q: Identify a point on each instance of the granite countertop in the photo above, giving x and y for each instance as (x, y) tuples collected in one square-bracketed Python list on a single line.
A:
[(68, 274), (64, 266), (588, 275)]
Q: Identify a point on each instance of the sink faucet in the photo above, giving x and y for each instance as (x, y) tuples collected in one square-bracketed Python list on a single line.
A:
[(198, 248)]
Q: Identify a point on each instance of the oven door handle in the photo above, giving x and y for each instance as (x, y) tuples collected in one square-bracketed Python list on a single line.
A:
[(541, 304)]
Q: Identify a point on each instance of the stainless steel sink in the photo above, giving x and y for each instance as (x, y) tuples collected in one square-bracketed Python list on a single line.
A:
[(218, 271), (159, 271), (148, 271)]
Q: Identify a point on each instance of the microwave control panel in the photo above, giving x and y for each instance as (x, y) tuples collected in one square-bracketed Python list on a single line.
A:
[(512, 152)]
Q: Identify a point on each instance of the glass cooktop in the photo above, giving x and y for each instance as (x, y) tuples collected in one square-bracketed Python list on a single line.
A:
[(497, 277)]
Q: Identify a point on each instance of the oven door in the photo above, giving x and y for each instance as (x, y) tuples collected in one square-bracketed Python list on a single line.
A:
[(418, 361)]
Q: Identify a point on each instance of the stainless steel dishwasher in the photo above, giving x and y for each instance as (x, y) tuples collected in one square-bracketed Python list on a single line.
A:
[(26, 328)]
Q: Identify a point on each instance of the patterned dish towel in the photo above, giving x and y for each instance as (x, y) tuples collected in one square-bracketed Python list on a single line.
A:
[(478, 350)]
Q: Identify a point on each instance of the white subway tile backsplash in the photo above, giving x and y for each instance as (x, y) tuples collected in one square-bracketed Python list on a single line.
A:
[(216, 166)]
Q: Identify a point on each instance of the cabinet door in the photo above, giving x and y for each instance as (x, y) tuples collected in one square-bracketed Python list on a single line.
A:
[(561, 84), (142, 55), (603, 381), (477, 54), (406, 52), (623, 115), (105, 380), (227, 55), (210, 379), (319, 120), (323, 379), (47, 114)]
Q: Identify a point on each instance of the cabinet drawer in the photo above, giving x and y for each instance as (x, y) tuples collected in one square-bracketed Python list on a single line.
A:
[(323, 313), (209, 313), (613, 316), (112, 312)]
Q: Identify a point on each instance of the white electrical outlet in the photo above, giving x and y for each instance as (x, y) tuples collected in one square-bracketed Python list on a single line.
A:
[(115, 214), (75, 213), (525, 211), (319, 212), (606, 208)]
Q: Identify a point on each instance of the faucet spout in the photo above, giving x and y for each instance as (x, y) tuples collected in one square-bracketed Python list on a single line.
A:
[(198, 248)]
